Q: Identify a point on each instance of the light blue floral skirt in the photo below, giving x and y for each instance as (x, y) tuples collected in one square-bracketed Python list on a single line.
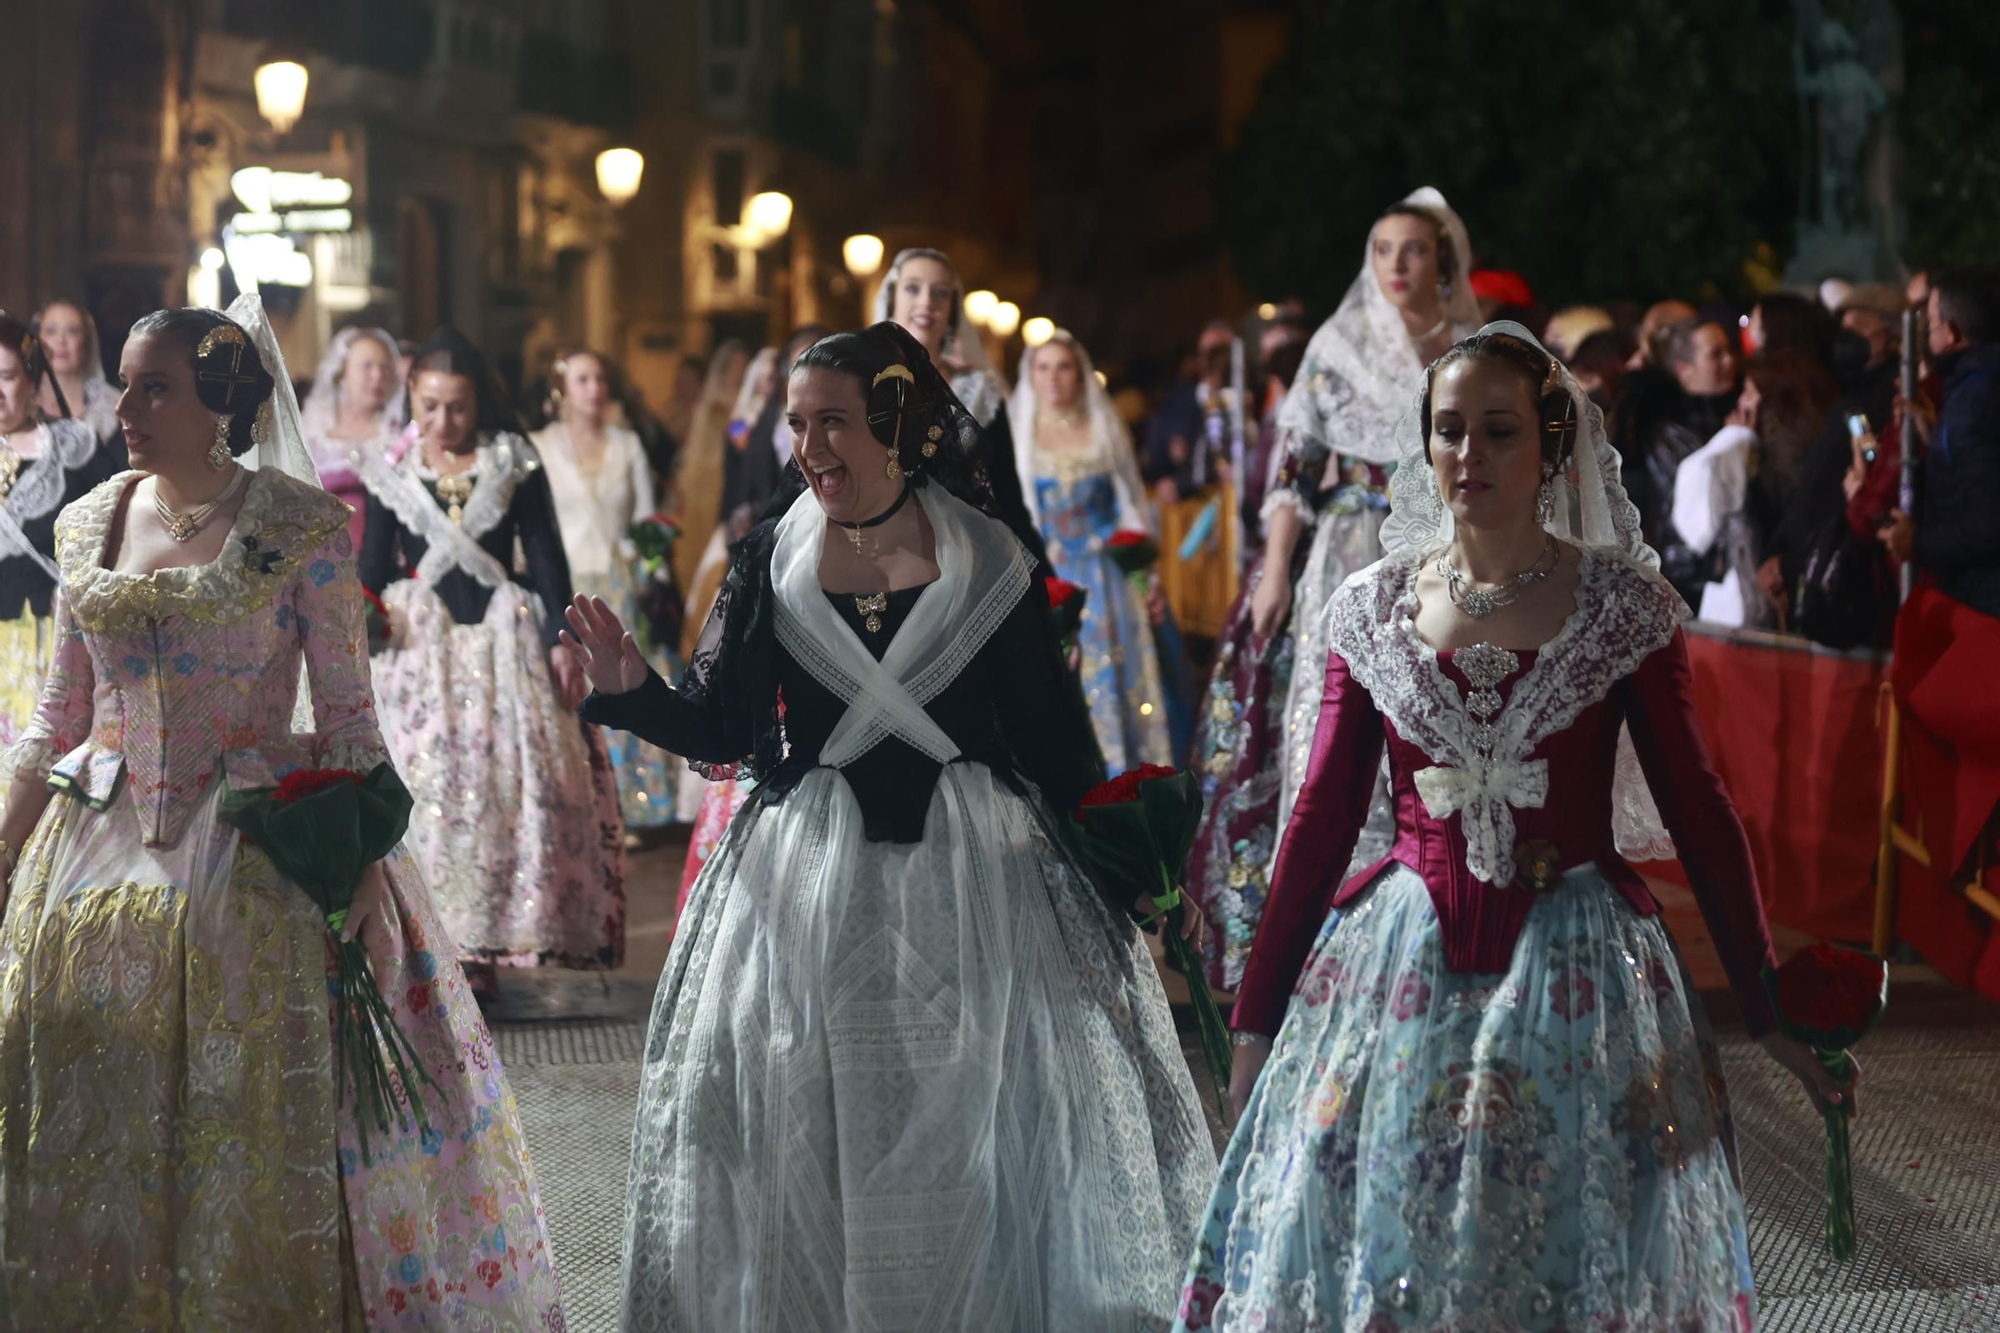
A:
[(1544, 1149)]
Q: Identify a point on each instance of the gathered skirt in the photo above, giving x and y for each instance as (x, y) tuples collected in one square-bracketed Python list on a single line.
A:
[(908, 1088), (516, 819), (172, 1156), (26, 645), (1545, 1149)]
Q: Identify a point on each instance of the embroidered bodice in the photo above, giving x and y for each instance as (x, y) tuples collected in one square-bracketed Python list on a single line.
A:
[(69, 460), (1505, 771), (595, 507), (408, 531), (175, 681)]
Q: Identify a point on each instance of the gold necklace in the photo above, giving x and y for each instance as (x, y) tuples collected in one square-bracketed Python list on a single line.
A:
[(872, 606), (455, 489), (11, 464), (182, 526)]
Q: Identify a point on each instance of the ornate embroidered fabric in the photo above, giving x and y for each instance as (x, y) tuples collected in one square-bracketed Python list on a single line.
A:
[(980, 393), (1483, 772), (277, 528)]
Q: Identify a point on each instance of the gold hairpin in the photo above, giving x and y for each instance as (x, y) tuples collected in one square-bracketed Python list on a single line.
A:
[(898, 371), (221, 333)]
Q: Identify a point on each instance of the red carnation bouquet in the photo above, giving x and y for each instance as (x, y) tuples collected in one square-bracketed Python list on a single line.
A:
[(1828, 998), (379, 624), (322, 829), (1132, 551), (1066, 601), (1137, 830)]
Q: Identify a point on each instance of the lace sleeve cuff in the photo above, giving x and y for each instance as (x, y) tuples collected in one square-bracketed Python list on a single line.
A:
[(1287, 499), (33, 755)]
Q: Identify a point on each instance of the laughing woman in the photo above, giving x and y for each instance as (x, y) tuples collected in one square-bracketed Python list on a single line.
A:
[(174, 1152), (907, 1069)]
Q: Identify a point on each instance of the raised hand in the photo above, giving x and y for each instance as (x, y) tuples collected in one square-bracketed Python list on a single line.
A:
[(610, 655)]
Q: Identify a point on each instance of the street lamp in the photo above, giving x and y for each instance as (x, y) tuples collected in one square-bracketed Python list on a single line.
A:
[(768, 216), (281, 93), (862, 254), (618, 173), (1038, 331), (1006, 317), (979, 306)]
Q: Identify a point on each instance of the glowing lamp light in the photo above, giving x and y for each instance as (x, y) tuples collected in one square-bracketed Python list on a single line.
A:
[(618, 174), (1006, 317), (1105, 382), (768, 215), (1038, 331), (979, 306), (862, 254), (212, 260), (1267, 311), (281, 93)]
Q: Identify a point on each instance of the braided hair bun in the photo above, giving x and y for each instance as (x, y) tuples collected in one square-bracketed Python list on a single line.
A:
[(229, 376)]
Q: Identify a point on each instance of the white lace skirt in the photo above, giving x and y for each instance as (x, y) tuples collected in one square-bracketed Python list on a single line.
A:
[(1342, 543), (923, 1087)]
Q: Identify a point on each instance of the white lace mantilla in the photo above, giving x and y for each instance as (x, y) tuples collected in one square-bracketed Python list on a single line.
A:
[(1481, 746)]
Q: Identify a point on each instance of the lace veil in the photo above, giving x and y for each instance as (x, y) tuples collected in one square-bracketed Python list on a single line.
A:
[(1591, 508), (1366, 346), (1109, 437), (320, 412), (1592, 511)]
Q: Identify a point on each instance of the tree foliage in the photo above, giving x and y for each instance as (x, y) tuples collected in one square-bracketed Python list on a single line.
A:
[(1639, 150), (1951, 131)]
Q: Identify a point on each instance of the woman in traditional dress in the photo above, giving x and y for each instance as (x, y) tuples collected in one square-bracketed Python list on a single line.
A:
[(907, 1070), (351, 413), (75, 385), (698, 481), (923, 292), (1493, 1101), (174, 1153), (1080, 475), (45, 462), (1338, 437), (602, 485), (517, 807)]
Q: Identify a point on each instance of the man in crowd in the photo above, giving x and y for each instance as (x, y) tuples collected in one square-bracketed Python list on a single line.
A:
[(1948, 632)]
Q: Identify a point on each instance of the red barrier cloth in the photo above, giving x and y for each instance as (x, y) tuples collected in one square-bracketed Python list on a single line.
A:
[(1792, 732), (1947, 660)]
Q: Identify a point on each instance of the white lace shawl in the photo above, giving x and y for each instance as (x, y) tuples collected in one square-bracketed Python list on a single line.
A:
[(65, 444), (982, 572), (1624, 613), (1352, 392), (502, 462)]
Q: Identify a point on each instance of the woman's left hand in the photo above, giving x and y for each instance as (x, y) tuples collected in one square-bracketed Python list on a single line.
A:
[(1192, 922), (369, 896), (1825, 1090)]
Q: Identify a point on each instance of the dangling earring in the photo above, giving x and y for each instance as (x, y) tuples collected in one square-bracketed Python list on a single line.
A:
[(1545, 498), (894, 472), (218, 452)]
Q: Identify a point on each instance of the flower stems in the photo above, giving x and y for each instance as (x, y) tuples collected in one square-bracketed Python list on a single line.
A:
[(1842, 1239), (1208, 1025)]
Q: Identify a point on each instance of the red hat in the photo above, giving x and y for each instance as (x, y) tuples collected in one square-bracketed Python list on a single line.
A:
[(1502, 285)]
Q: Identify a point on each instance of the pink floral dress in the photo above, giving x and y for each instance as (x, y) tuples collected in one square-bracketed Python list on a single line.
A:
[(172, 1152)]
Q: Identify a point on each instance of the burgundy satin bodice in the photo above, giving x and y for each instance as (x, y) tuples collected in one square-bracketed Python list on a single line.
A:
[(1573, 825)]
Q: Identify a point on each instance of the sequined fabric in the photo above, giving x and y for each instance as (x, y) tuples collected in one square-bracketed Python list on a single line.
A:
[(1121, 668), (171, 1152), (1541, 1149)]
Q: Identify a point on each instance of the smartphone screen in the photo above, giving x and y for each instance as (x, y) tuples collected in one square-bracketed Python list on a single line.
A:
[(1857, 426)]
